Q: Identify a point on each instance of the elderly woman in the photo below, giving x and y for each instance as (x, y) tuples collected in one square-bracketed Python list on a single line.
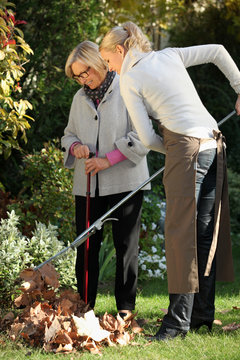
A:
[(99, 123), (197, 233)]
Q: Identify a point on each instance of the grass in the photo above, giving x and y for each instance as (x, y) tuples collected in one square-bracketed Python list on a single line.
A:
[(152, 297)]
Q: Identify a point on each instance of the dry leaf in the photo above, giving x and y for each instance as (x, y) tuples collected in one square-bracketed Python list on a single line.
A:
[(225, 311), (8, 318), (50, 332), (231, 327), (165, 311), (89, 326), (217, 322), (62, 322), (49, 275), (136, 329), (122, 338)]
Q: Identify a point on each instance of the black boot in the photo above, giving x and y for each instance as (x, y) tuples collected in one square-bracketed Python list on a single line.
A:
[(177, 321), (167, 333), (196, 324)]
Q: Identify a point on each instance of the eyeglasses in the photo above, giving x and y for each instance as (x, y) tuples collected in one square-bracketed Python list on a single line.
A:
[(82, 75)]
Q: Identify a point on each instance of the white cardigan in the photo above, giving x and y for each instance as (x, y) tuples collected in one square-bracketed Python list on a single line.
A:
[(110, 125), (157, 84)]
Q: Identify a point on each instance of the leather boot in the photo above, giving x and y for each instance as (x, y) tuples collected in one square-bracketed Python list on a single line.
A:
[(167, 333), (177, 321)]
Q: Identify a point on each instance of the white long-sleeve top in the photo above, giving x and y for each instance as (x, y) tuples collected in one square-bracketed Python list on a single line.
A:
[(157, 84)]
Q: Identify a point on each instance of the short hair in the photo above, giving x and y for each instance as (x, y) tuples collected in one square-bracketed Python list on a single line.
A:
[(128, 35), (88, 53)]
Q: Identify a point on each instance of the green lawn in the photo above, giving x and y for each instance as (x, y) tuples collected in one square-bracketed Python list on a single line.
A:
[(152, 297)]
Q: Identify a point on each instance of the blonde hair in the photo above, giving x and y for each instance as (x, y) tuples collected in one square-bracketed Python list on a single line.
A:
[(86, 52), (129, 35)]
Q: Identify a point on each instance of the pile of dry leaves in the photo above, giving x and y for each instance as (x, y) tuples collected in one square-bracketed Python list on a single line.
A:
[(61, 321)]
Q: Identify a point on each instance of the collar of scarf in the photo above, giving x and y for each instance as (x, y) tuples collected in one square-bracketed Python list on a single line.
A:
[(97, 94)]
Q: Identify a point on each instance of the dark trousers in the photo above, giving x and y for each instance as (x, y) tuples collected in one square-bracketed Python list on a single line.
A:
[(125, 233), (186, 308)]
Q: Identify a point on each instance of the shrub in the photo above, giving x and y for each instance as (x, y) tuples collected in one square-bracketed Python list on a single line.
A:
[(152, 262), (13, 54), (18, 252), (46, 195)]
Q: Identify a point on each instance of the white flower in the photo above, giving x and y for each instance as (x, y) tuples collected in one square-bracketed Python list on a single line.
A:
[(154, 249), (155, 237), (157, 273), (143, 267), (154, 226), (150, 273), (144, 227)]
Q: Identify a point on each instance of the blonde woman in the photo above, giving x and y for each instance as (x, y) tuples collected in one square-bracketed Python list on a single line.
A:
[(99, 122), (198, 247)]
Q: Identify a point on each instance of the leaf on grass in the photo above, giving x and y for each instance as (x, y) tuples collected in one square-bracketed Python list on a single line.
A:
[(66, 348), (136, 329), (231, 327), (224, 311), (165, 311), (122, 338), (92, 347), (217, 322), (236, 308), (88, 325)]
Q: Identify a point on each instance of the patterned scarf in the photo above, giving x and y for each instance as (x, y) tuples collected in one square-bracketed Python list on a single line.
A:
[(97, 94)]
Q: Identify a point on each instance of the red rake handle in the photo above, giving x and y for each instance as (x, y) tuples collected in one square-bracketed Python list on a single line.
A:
[(86, 249)]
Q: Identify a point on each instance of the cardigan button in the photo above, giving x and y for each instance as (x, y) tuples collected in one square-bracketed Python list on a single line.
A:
[(96, 117), (63, 149), (130, 143)]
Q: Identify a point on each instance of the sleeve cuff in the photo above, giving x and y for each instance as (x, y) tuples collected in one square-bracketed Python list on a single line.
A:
[(72, 146), (115, 157)]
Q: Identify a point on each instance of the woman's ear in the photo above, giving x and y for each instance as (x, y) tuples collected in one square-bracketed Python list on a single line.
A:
[(120, 49)]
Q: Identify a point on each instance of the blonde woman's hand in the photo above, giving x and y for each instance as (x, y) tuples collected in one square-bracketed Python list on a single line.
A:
[(94, 165), (81, 151), (237, 105)]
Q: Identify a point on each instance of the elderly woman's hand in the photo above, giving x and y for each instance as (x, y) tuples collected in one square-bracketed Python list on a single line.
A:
[(95, 165), (81, 151)]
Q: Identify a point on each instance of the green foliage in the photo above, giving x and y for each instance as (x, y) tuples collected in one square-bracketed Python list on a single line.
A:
[(107, 256), (53, 30), (216, 22), (18, 252), (14, 52), (46, 195)]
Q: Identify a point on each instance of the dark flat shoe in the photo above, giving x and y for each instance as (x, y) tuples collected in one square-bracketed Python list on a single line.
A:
[(165, 333)]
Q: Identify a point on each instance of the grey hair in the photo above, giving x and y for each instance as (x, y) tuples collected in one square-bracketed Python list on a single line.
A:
[(129, 35), (86, 52)]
